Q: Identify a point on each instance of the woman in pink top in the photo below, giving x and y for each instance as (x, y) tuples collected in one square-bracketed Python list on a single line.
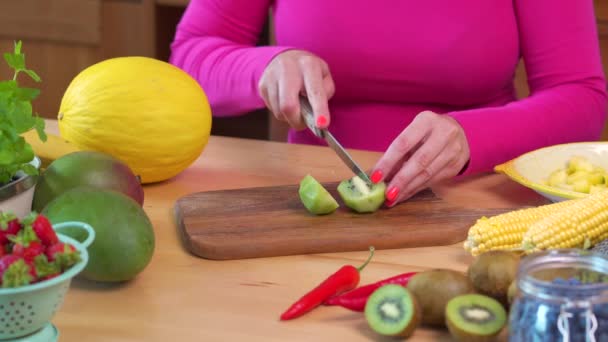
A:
[(430, 83)]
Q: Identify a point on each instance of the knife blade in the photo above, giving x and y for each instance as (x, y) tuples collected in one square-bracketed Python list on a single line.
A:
[(324, 134)]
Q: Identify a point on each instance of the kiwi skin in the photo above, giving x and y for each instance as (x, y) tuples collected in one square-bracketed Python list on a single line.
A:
[(416, 318), (433, 290), (493, 272), (512, 292)]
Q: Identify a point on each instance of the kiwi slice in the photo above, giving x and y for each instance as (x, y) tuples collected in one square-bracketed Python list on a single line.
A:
[(475, 317), (315, 197), (492, 272), (434, 289), (392, 310), (361, 196)]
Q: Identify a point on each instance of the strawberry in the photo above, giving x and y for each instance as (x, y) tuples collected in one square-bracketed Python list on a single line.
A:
[(26, 244), (32, 270), (44, 230), (14, 271), (50, 276), (42, 269), (7, 261), (65, 255), (28, 251), (9, 225), (13, 227)]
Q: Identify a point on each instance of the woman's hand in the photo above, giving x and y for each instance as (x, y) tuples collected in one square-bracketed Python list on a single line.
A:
[(432, 148), (290, 74)]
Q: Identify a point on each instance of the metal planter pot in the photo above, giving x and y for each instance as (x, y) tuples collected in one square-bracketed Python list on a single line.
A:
[(16, 197)]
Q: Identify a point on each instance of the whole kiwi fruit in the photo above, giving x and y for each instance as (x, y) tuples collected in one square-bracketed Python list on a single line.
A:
[(512, 292), (492, 272), (433, 290)]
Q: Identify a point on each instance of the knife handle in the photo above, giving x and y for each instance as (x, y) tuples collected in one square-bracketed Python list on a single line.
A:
[(309, 117)]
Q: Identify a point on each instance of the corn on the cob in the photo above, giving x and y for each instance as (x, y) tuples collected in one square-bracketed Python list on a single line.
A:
[(506, 231), (581, 225)]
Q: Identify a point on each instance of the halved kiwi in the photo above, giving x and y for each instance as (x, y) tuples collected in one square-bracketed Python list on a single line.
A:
[(315, 197), (475, 317), (361, 196), (392, 310)]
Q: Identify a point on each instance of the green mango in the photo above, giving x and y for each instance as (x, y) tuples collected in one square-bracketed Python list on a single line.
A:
[(124, 236)]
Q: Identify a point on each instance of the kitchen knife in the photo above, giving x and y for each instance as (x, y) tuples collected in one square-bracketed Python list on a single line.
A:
[(324, 134)]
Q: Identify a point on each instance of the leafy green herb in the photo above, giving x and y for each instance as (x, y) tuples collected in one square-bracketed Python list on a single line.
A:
[(16, 118)]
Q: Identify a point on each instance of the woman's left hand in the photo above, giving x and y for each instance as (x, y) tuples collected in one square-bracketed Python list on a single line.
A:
[(432, 148)]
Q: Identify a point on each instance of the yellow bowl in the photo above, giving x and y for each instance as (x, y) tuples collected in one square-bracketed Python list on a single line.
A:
[(533, 168)]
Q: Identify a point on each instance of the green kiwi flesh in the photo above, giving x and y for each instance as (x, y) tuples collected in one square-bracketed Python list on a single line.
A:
[(392, 310), (433, 290), (475, 317), (315, 197), (492, 272), (360, 196)]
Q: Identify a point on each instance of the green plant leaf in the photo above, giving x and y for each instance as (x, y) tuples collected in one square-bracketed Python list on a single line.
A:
[(7, 156), (8, 86), (32, 74), (29, 169), (18, 45), (21, 117), (25, 154), (39, 126), (5, 176), (16, 118), (17, 62), (27, 94)]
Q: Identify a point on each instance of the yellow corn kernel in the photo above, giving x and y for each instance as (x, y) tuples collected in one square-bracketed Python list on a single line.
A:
[(506, 231), (581, 225)]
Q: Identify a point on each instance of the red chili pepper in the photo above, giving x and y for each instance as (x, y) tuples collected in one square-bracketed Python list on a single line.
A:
[(356, 299), (346, 278)]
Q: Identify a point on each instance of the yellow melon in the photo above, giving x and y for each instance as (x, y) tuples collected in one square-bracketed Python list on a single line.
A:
[(148, 113)]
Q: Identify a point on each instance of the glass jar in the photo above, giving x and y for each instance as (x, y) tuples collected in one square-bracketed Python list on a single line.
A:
[(562, 295)]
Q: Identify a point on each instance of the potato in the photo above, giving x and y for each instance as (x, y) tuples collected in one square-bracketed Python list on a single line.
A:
[(579, 175), (581, 185), (596, 178), (557, 177), (578, 163)]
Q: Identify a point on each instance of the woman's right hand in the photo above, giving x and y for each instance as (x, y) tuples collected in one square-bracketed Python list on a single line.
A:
[(293, 73)]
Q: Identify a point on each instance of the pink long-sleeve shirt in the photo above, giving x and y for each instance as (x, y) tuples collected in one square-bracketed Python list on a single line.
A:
[(390, 60)]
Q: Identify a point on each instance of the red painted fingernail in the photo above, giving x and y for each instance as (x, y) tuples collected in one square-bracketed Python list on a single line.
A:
[(321, 120), (376, 176), (392, 193), (389, 203)]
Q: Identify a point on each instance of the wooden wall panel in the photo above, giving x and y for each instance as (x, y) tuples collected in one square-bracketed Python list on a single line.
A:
[(124, 27), (76, 21), (55, 63), (78, 33)]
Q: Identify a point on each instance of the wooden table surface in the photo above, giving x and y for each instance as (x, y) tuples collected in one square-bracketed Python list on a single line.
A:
[(181, 297)]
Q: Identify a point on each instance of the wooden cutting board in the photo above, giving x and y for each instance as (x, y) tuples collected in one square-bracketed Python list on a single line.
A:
[(271, 221)]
